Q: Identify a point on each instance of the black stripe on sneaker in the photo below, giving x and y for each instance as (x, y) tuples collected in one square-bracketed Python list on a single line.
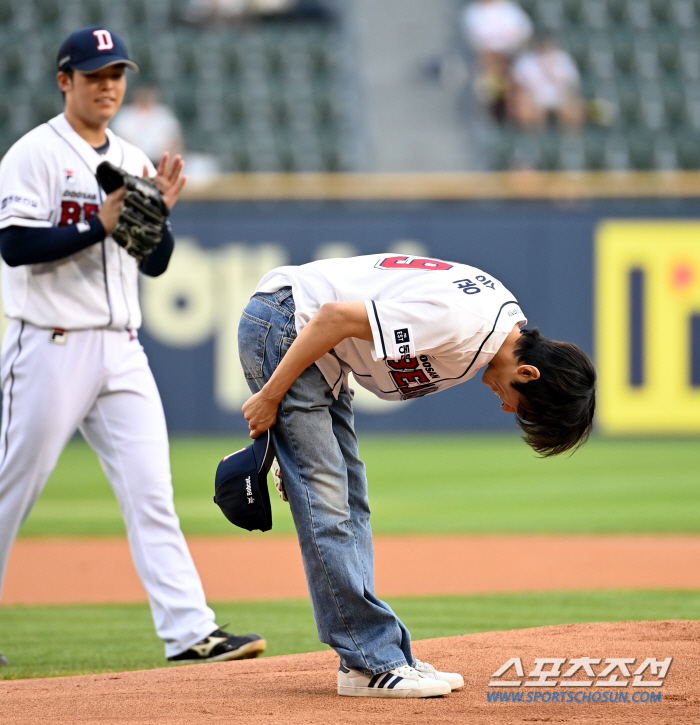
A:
[(344, 669), (395, 682), (385, 681), (373, 681)]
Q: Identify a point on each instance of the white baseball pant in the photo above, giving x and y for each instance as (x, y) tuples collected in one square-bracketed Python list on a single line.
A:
[(99, 382)]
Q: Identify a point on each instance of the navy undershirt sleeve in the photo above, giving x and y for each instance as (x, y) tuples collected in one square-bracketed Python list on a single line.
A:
[(37, 245), (34, 245), (157, 261)]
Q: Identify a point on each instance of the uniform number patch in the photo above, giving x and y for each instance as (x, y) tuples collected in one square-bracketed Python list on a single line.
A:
[(423, 263)]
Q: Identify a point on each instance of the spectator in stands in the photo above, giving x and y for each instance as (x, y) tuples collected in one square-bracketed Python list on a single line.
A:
[(546, 85), (149, 125), (496, 30)]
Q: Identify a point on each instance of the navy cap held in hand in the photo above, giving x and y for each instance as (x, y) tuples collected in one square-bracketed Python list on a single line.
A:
[(241, 485), (91, 49)]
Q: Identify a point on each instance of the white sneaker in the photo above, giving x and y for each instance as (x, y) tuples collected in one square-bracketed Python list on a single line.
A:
[(402, 681), (453, 679)]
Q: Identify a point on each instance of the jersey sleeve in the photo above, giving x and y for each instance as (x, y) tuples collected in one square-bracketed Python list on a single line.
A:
[(27, 187), (151, 168), (401, 329)]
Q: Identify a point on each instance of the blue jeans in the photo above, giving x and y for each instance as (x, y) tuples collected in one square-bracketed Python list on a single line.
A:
[(326, 485)]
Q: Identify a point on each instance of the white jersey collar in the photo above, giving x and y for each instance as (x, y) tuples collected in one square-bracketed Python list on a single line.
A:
[(86, 152)]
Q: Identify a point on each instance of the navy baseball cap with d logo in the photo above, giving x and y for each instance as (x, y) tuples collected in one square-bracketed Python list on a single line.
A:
[(241, 485), (91, 49)]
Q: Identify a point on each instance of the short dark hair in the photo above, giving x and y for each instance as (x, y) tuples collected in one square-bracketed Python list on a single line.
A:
[(69, 72), (556, 410)]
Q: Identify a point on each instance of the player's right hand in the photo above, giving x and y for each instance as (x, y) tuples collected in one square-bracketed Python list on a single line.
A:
[(111, 209), (260, 411)]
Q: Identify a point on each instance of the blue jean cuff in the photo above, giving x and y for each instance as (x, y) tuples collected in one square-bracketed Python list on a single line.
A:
[(381, 668)]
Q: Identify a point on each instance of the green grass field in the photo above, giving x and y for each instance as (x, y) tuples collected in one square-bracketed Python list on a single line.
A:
[(418, 484), (68, 640), (426, 484)]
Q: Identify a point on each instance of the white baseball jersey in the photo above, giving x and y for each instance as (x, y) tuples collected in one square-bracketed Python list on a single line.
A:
[(48, 179), (434, 323), (95, 377)]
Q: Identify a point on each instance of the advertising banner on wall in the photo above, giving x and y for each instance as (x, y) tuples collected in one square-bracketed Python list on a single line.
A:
[(648, 326)]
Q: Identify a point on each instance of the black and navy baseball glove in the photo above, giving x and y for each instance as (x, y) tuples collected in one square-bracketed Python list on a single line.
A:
[(140, 226)]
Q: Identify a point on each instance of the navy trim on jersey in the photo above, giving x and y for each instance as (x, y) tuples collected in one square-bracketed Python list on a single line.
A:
[(99, 195), (9, 394), (332, 353), (379, 325), (106, 279), (102, 150), (474, 359), (478, 352), (340, 377), (126, 301), (121, 273)]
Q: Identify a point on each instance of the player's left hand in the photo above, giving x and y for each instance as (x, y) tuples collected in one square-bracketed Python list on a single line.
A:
[(169, 178), (261, 412)]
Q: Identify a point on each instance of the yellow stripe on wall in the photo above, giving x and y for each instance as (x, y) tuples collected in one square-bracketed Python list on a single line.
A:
[(668, 256)]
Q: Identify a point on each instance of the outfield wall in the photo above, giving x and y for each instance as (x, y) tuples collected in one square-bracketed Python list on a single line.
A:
[(537, 234)]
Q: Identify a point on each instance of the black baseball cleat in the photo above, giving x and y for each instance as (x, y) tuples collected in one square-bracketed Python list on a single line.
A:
[(221, 646), (4, 660)]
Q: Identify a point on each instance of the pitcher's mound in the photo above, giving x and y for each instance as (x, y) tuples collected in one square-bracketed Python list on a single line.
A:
[(299, 689)]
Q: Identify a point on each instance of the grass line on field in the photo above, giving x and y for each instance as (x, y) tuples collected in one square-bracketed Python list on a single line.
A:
[(426, 484), (43, 641)]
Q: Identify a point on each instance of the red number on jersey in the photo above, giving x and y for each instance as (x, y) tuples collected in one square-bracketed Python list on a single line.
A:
[(416, 263), (70, 213), (90, 210)]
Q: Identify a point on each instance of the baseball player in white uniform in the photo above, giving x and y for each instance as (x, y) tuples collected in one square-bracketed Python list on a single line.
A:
[(71, 358), (405, 327)]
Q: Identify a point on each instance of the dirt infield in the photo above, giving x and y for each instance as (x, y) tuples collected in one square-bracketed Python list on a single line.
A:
[(260, 567), (298, 689)]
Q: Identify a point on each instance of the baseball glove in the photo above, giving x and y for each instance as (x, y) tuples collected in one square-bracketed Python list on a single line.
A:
[(140, 225), (279, 481)]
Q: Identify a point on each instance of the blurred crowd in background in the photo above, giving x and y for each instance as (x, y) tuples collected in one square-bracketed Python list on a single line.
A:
[(307, 85), (588, 83), (521, 78)]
